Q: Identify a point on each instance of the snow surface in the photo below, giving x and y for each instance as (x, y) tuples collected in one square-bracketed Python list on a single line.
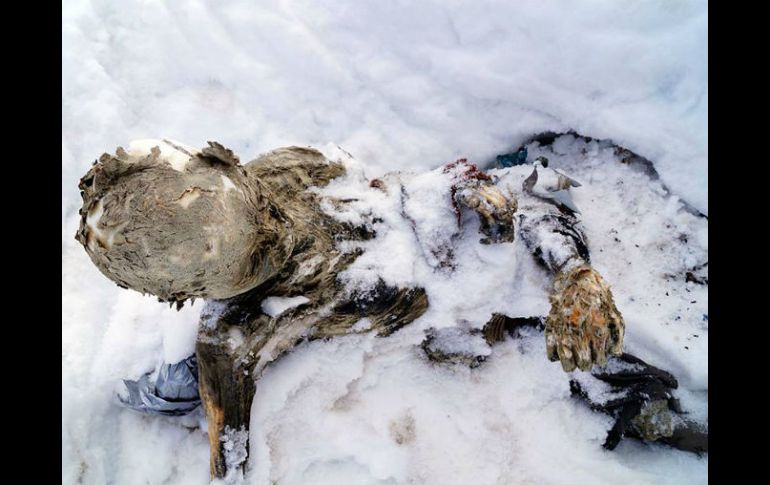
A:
[(402, 86)]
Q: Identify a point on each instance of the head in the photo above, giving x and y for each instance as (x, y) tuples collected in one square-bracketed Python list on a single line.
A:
[(174, 222)]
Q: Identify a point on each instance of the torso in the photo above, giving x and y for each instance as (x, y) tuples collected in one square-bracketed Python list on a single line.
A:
[(367, 257)]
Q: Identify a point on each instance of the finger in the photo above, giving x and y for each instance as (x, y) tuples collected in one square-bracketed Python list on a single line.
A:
[(582, 352), (617, 331), (550, 344), (599, 346), (566, 356)]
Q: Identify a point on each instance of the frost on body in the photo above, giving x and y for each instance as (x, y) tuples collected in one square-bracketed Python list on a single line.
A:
[(262, 245)]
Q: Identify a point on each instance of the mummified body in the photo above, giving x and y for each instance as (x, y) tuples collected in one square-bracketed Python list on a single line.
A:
[(181, 224)]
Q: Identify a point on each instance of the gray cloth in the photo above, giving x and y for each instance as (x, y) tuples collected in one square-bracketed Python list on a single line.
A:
[(174, 392)]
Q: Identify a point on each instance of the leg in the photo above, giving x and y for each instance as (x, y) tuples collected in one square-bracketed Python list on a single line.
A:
[(226, 390), (233, 348)]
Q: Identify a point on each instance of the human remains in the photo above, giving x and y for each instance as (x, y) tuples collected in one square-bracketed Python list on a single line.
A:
[(180, 223)]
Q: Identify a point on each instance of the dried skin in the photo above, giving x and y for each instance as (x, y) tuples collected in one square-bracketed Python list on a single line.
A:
[(494, 208), (476, 190), (215, 229), (208, 229), (203, 231), (583, 326)]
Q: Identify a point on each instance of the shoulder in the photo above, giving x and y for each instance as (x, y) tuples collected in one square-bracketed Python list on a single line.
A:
[(302, 167)]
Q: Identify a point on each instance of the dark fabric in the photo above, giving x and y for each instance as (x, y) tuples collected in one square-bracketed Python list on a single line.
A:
[(511, 159), (637, 384), (642, 385)]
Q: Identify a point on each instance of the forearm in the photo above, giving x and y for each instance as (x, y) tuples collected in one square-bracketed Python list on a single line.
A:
[(583, 327), (555, 238)]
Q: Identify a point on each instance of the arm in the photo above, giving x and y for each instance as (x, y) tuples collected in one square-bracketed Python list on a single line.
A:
[(477, 191), (583, 326), (433, 204), (555, 238)]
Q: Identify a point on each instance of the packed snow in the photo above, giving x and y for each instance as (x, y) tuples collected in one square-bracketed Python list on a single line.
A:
[(402, 87), (276, 305)]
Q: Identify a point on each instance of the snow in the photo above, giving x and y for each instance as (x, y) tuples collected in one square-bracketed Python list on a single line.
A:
[(234, 444), (211, 312), (457, 340), (401, 87), (275, 305), (175, 153)]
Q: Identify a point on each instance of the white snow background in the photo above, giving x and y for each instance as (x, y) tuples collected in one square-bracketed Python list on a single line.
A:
[(401, 86)]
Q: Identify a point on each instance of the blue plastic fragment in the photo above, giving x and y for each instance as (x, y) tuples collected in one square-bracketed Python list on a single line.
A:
[(513, 159)]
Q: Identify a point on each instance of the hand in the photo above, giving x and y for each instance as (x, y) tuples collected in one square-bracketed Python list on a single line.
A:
[(584, 326), (495, 210)]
